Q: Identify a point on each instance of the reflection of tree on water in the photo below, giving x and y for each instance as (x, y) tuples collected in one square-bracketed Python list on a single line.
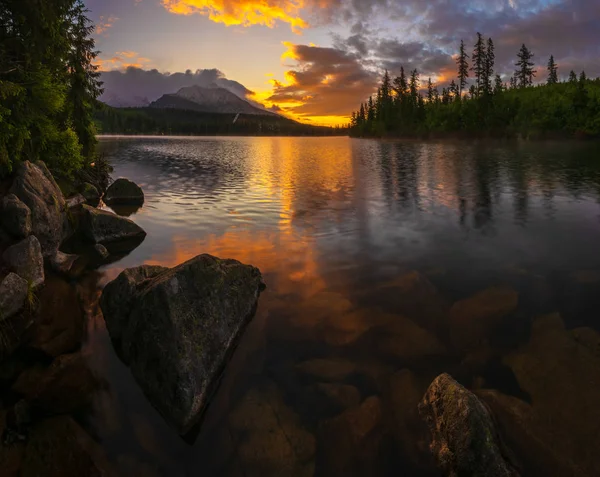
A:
[(485, 177)]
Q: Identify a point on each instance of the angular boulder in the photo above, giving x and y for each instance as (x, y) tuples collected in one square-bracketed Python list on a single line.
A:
[(464, 438), (63, 262), (26, 260), (15, 216), (13, 292), (124, 192), (36, 188), (177, 328), (100, 226)]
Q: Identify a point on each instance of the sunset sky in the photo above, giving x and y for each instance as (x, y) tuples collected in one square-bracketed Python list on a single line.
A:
[(316, 60)]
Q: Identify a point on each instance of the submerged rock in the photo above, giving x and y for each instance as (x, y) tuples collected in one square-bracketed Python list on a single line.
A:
[(36, 188), (100, 226), (13, 293), (124, 192), (177, 328), (272, 441), (351, 441), (464, 438), (473, 319), (66, 386), (15, 216), (59, 447), (26, 260), (63, 262), (561, 372), (332, 369), (342, 396)]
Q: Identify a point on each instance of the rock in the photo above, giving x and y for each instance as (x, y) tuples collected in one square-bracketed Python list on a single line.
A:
[(334, 369), (76, 201), (272, 441), (464, 438), (589, 338), (13, 293), (123, 191), (11, 453), (62, 262), (473, 319), (415, 297), (15, 217), (90, 193), (26, 260), (67, 386), (178, 329), (60, 325), (350, 442), (517, 426), (342, 396), (35, 186), (410, 433), (561, 374), (100, 226), (59, 447), (101, 251), (406, 341)]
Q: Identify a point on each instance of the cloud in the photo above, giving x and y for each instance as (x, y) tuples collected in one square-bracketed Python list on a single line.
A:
[(322, 83), (134, 86), (105, 23), (122, 60), (243, 12)]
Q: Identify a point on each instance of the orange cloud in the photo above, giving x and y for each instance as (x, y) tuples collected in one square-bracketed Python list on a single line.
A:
[(243, 12), (122, 60), (104, 23)]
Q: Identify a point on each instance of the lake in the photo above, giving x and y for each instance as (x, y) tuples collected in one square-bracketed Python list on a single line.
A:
[(386, 264)]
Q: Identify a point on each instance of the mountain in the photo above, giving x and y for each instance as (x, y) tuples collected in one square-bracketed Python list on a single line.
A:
[(208, 100)]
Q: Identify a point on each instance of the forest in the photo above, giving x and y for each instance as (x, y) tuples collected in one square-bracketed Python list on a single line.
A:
[(491, 106), (49, 84), (159, 121)]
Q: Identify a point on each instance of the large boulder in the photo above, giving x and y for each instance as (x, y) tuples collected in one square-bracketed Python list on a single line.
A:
[(464, 438), (36, 188), (100, 226), (91, 194), (26, 260), (13, 292), (177, 328), (124, 192), (15, 216)]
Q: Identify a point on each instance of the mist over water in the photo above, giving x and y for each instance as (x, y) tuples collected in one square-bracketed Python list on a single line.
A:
[(346, 233)]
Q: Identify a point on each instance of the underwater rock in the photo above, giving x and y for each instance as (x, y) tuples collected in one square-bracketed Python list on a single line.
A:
[(342, 396), (177, 328), (464, 438)]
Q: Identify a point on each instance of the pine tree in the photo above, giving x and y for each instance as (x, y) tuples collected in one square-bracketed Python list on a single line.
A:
[(488, 70), (525, 71), (473, 92), (414, 86), (463, 68), (370, 110), (400, 84), (429, 90), (513, 82), (498, 86), (453, 89), (582, 77), (478, 66), (572, 77), (552, 71)]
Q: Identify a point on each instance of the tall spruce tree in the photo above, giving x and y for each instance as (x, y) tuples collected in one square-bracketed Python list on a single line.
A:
[(488, 70), (498, 85), (572, 77), (552, 71), (525, 72), (429, 90), (463, 68), (479, 61)]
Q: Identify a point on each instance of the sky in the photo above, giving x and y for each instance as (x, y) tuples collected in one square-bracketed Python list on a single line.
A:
[(317, 60)]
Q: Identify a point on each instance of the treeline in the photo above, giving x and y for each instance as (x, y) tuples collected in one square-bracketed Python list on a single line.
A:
[(158, 121), (488, 106), (48, 84)]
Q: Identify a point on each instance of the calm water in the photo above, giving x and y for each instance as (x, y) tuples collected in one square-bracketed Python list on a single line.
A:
[(338, 228)]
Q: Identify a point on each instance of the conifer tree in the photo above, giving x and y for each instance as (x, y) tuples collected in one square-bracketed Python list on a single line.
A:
[(453, 89), (429, 90), (552, 71), (498, 86), (525, 72), (463, 68), (414, 86), (488, 70), (479, 61), (572, 77), (582, 77)]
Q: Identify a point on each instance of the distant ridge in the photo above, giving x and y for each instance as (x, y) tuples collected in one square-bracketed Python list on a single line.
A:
[(208, 100)]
